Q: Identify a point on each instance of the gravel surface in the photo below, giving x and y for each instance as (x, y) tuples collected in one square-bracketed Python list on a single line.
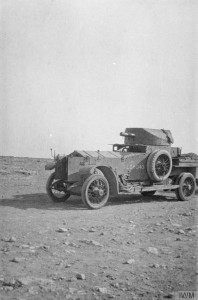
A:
[(133, 248)]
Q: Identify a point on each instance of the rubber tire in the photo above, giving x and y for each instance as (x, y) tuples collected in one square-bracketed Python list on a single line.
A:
[(177, 183), (148, 193), (179, 192), (151, 165), (84, 191), (49, 191)]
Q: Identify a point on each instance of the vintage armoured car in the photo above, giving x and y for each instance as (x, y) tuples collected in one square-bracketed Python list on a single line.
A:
[(144, 163)]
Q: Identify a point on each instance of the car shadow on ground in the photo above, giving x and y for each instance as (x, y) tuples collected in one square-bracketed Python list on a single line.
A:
[(42, 201)]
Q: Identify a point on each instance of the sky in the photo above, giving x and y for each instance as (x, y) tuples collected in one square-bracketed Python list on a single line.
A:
[(75, 73)]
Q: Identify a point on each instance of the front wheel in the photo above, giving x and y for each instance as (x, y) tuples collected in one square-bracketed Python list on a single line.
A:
[(95, 191), (56, 189), (187, 186)]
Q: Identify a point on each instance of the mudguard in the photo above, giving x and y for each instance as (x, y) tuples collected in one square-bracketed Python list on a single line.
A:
[(108, 173), (86, 172), (79, 179), (50, 166), (112, 179)]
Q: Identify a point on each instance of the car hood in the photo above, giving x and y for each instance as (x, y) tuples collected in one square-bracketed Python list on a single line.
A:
[(106, 154)]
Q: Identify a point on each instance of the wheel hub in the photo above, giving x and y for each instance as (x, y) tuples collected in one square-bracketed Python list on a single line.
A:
[(101, 193), (162, 167), (189, 186), (98, 192)]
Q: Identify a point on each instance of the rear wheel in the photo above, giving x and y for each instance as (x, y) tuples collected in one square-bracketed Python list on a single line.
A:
[(56, 189), (148, 193), (95, 191), (187, 186)]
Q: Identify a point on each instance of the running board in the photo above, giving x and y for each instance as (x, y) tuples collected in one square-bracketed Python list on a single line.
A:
[(140, 189)]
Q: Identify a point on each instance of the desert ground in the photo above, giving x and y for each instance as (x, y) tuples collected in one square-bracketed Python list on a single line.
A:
[(133, 248)]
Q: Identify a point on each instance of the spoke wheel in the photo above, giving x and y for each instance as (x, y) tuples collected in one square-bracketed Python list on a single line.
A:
[(187, 186), (148, 193), (159, 165), (162, 165), (56, 189), (95, 191)]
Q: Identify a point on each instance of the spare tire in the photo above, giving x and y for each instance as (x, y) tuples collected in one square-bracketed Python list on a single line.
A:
[(159, 165)]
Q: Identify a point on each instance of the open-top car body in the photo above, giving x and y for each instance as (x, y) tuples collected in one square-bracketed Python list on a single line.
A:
[(145, 163)]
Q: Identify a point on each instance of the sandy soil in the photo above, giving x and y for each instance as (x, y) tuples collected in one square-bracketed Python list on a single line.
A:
[(133, 248)]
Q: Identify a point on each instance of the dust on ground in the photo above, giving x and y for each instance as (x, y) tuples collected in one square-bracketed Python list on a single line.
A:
[(133, 248)]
